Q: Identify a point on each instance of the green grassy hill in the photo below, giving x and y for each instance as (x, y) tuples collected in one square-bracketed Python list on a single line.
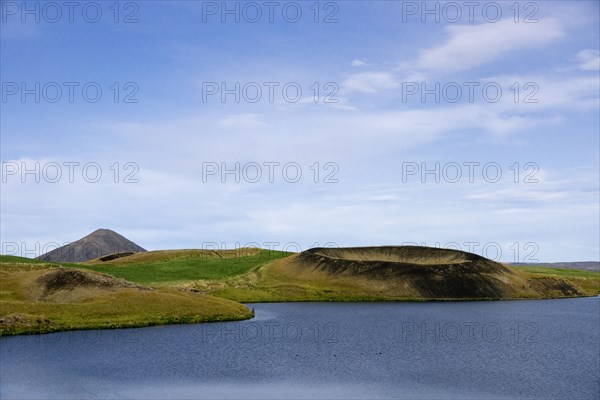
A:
[(16, 259), (179, 266), (175, 286), (39, 297), (310, 276), (588, 281)]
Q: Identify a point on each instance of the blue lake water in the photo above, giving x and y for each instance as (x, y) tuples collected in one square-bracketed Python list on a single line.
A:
[(544, 349)]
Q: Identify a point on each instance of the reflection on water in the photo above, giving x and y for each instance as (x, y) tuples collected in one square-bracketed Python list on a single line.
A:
[(476, 350)]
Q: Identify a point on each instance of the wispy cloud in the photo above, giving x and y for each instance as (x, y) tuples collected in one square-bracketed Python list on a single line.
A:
[(370, 82), (359, 63), (469, 46), (589, 60)]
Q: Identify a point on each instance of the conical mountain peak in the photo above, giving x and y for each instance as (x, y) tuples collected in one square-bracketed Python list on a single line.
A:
[(100, 243)]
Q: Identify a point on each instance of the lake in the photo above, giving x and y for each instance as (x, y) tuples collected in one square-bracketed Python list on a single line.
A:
[(538, 349)]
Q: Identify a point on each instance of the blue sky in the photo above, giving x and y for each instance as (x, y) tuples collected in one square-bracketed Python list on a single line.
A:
[(373, 58)]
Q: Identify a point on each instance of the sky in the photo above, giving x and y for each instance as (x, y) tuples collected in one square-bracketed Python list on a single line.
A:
[(290, 125)]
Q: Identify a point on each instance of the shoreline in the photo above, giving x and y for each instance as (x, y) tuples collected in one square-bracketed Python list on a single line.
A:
[(192, 321)]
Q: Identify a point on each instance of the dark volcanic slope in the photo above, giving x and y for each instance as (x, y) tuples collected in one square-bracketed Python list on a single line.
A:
[(97, 244), (431, 272)]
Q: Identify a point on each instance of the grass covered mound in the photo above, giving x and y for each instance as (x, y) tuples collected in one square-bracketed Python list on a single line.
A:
[(395, 273), (188, 286), (422, 271), (178, 266), (428, 272), (587, 281), (39, 298)]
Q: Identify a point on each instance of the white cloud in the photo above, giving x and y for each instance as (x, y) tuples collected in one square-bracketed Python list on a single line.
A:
[(370, 82), (469, 46), (359, 63), (545, 92), (518, 195), (589, 60)]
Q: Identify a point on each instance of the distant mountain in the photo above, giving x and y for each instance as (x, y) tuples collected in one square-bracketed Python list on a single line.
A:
[(99, 243), (582, 265)]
